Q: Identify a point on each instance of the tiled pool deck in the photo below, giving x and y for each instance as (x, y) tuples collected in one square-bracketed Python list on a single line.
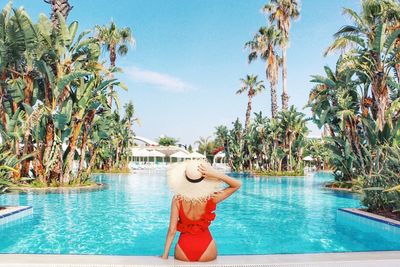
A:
[(356, 259)]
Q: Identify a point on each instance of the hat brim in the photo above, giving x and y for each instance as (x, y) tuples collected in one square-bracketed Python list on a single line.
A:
[(181, 187)]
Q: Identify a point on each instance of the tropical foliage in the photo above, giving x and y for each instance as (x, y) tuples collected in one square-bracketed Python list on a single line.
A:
[(205, 145), (53, 91), (269, 144), (111, 138), (8, 162), (319, 153), (167, 141), (359, 102)]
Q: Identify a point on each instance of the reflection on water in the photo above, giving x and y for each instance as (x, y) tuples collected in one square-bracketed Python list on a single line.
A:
[(130, 217)]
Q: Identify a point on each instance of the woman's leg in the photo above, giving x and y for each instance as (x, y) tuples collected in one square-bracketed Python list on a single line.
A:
[(179, 254), (210, 253)]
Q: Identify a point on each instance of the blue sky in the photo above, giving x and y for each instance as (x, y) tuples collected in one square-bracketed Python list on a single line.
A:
[(189, 57)]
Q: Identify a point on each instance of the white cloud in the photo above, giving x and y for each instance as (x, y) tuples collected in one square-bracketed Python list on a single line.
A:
[(157, 79)]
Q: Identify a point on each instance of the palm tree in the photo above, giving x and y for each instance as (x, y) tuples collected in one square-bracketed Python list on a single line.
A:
[(371, 45), (373, 13), (294, 127), (61, 6), (221, 135), (358, 100), (235, 146), (269, 144), (129, 113), (205, 145), (252, 86), (282, 12), (264, 45), (116, 41)]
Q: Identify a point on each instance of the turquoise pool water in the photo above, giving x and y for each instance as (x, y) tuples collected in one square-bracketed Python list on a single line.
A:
[(130, 217)]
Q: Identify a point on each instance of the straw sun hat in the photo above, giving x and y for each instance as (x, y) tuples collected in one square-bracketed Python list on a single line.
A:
[(186, 181)]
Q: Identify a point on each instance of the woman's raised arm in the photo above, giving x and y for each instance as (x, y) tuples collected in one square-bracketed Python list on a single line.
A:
[(211, 173)]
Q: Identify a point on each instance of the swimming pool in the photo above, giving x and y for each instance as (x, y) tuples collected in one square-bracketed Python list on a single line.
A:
[(130, 217)]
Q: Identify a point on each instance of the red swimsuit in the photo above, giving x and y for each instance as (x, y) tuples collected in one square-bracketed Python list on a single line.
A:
[(195, 236)]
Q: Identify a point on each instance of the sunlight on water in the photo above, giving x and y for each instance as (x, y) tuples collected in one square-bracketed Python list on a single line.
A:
[(130, 217)]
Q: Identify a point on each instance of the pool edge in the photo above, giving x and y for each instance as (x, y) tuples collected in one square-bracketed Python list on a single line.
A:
[(387, 258), (13, 213), (371, 216)]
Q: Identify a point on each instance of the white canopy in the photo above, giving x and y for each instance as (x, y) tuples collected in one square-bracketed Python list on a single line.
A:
[(308, 158), (155, 153), (140, 153), (180, 155), (196, 155), (220, 154)]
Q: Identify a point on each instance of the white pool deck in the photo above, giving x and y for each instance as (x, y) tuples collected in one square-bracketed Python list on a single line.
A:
[(353, 259)]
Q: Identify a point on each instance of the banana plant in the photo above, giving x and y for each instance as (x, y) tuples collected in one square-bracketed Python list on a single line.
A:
[(54, 86)]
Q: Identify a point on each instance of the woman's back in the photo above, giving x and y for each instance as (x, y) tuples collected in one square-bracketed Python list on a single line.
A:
[(193, 210)]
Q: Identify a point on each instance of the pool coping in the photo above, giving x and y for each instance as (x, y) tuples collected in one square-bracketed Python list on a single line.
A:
[(386, 258), (60, 189), (372, 216), (11, 210)]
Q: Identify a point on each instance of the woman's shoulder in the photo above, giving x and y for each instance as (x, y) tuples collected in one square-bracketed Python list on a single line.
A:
[(212, 201), (176, 200), (216, 197)]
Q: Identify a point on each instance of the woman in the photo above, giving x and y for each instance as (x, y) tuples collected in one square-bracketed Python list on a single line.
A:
[(197, 189)]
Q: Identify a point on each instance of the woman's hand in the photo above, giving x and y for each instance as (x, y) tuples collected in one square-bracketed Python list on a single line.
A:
[(208, 172), (164, 257)]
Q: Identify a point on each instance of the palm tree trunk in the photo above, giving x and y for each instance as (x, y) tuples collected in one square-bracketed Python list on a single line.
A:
[(248, 111), (113, 58), (2, 98), (397, 70), (290, 156), (92, 153), (49, 138), (299, 159), (28, 92), (76, 128), (27, 149), (38, 168), (17, 175), (274, 101), (380, 92), (88, 122), (397, 64), (117, 156), (285, 95), (61, 6), (280, 165)]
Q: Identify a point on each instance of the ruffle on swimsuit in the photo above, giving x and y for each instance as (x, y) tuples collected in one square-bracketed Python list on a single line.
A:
[(186, 225)]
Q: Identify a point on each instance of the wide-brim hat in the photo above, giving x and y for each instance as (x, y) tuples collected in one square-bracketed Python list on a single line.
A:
[(186, 182)]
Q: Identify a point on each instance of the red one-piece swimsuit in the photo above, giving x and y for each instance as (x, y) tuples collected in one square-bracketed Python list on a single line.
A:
[(195, 236)]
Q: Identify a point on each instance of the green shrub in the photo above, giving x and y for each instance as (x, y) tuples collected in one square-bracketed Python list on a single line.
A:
[(381, 190), (279, 173)]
